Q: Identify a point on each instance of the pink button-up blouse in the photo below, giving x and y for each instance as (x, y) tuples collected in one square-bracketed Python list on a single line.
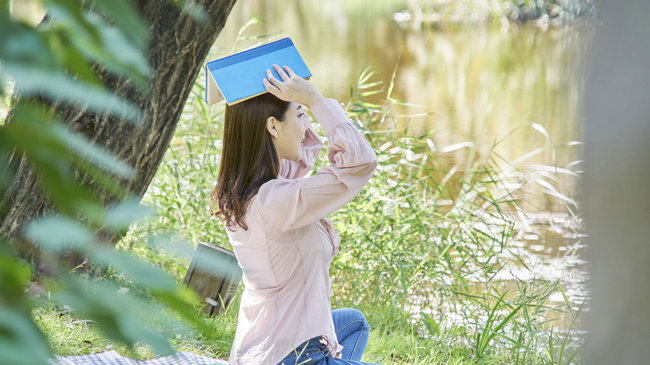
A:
[(286, 252)]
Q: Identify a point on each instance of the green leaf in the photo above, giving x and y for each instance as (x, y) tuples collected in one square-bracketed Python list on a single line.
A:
[(37, 59), (430, 324), (145, 274), (181, 302), (29, 132), (126, 59), (215, 263), (100, 177), (121, 215), (105, 45), (14, 275), (171, 244), (125, 17), (91, 152), (5, 172), (119, 315), (73, 62), (23, 44), (56, 234), (52, 150), (69, 13), (32, 80), (21, 341), (191, 8)]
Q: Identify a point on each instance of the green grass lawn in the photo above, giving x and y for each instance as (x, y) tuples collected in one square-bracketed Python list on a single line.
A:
[(71, 335)]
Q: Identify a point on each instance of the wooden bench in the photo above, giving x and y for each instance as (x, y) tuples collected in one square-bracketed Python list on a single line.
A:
[(214, 275)]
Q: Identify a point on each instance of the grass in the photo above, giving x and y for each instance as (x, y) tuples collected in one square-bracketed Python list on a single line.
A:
[(422, 249)]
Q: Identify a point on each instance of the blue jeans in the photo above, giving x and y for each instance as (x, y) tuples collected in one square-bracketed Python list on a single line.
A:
[(351, 332)]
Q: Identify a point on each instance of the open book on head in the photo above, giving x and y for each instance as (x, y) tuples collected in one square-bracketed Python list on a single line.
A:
[(238, 77)]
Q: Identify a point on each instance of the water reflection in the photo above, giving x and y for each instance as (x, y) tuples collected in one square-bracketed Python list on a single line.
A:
[(521, 86), (478, 84)]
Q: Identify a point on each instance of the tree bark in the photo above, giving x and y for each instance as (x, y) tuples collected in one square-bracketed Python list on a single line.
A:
[(178, 46)]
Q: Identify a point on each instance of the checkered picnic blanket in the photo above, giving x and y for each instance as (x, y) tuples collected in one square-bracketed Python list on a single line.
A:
[(113, 358)]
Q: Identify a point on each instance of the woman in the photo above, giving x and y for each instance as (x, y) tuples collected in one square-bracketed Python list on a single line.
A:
[(277, 225)]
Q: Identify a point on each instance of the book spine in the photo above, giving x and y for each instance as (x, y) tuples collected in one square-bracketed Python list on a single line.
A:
[(251, 53)]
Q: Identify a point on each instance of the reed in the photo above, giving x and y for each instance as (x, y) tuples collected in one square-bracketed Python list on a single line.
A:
[(435, 241)]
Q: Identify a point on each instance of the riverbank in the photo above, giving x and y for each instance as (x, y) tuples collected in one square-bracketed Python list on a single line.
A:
[(543, 13)]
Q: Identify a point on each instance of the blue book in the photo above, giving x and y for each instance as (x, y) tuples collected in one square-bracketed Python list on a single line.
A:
[(238, 77)]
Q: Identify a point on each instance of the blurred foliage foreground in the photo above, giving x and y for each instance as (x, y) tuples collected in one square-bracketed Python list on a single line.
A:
[(58, 60)]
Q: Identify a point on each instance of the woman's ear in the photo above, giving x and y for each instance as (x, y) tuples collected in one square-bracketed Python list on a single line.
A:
[(272, 126)]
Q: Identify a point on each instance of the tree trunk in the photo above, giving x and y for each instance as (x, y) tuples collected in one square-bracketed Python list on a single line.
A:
[(178, 46)]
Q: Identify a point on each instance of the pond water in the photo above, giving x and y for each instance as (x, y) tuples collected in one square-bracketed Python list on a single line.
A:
[(518, 85)]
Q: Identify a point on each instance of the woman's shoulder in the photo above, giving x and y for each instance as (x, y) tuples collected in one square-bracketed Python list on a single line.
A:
[(275, 203), (274, 192)]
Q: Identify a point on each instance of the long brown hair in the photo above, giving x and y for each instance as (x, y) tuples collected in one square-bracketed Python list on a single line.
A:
[(248, 156)]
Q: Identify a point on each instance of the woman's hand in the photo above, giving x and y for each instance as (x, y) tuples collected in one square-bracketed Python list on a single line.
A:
[(292, 87)]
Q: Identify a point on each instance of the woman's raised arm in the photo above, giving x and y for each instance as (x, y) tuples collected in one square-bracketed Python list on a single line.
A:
[(290, 204), (311, 147)]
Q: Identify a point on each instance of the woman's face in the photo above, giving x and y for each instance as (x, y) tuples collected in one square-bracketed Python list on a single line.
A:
[(288, 134)]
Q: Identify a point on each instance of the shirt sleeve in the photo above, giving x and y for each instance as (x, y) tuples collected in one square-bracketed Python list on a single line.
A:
[(311, 146), (288, 204)]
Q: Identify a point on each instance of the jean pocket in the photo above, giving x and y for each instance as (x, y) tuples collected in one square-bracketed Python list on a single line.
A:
[(306, 358)]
